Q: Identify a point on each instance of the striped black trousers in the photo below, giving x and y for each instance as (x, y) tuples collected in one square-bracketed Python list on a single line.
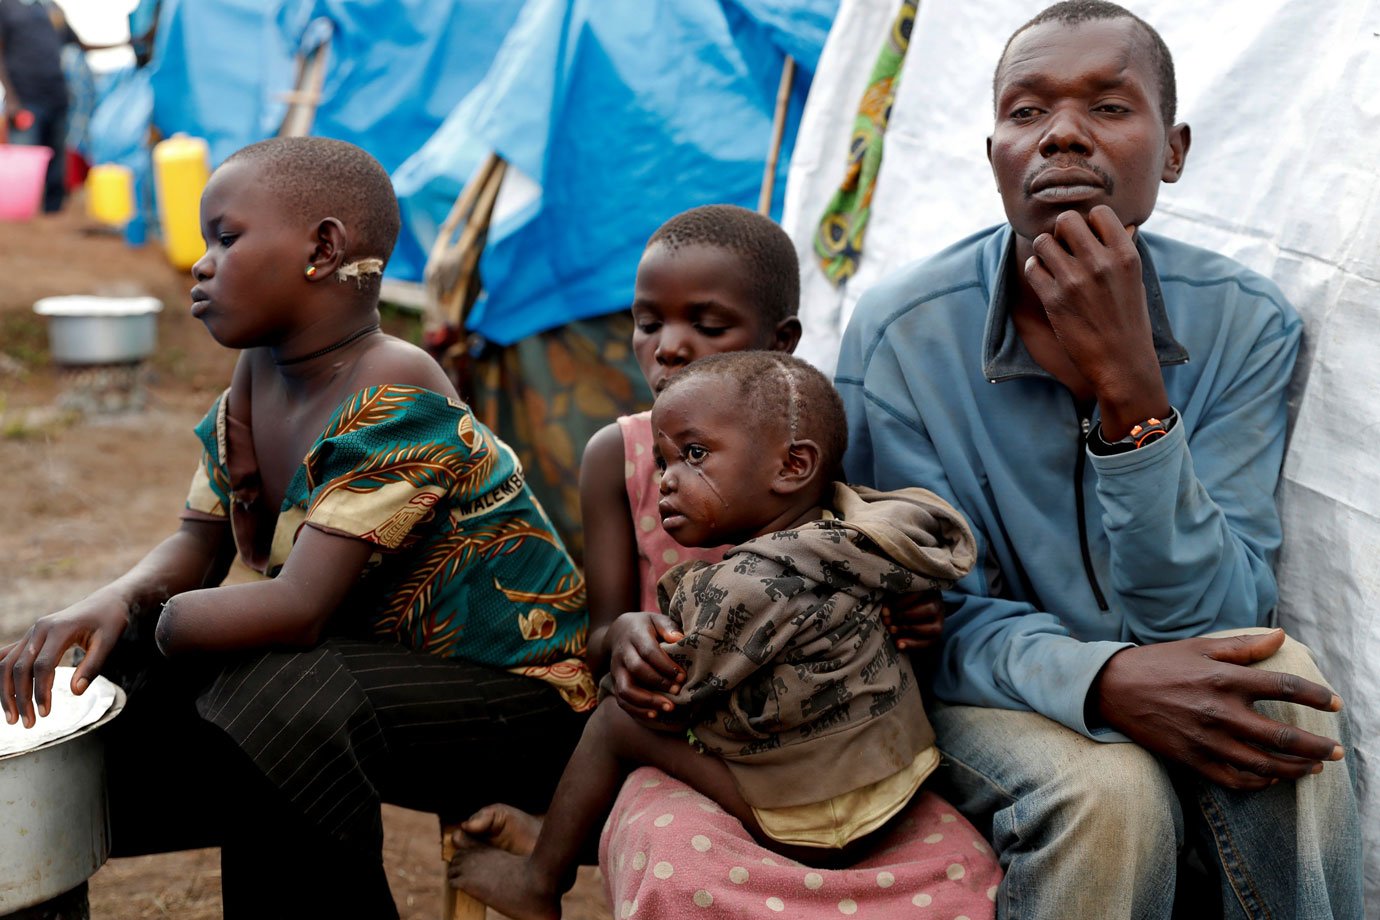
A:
[(282, 758)]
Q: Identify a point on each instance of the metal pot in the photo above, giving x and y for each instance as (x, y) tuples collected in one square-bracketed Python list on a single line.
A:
[(54, 824), (100, 330)]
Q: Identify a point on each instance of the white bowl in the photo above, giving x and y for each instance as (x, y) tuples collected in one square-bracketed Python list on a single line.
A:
[(84, 329)]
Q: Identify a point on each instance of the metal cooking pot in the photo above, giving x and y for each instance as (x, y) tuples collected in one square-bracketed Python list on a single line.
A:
[(54, 826), (100, 330)]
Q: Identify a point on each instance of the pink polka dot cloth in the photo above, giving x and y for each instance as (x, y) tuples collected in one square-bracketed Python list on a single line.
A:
[(668, 852)]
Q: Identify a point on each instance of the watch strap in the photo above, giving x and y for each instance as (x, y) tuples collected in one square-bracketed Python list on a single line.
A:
[(1142, 433)]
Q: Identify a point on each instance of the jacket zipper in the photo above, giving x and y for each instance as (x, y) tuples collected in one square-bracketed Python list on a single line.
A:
[(1085, 425)]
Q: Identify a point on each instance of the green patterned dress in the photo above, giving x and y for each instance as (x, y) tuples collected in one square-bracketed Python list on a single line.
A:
[(467, 564)]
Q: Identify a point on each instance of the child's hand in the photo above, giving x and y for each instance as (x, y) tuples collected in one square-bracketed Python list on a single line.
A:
[(915, 621), (642, 671), (27, 666)]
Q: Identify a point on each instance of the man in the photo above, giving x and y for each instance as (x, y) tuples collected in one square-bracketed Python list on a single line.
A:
[(1108, 409), (32, 34)]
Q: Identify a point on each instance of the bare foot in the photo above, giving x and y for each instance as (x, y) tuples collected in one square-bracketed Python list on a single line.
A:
[(504, 827), (504, 881)]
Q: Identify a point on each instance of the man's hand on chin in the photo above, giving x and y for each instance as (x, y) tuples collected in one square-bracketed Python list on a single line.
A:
[(1087, 274)]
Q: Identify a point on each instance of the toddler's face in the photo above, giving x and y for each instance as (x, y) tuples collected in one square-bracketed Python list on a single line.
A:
[(717, 470), (691, 302)]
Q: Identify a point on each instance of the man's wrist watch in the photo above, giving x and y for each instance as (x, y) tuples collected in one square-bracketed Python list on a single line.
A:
[(1141, 434)]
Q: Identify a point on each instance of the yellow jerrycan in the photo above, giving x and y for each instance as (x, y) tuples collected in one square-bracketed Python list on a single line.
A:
[(181, 168), (110, 194)]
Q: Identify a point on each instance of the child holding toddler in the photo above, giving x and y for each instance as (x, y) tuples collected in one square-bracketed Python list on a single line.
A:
[(785, 660)]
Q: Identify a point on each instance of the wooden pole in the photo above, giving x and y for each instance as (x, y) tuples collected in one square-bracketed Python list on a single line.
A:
[(442, 275), (778, 132), (455, 904), (306, 93), (464, 204)]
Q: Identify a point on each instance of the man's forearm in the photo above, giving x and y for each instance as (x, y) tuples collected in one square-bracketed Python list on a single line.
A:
[(1180, 565), (1006, 654)]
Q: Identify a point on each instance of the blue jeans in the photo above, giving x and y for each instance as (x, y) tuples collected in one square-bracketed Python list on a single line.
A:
[(49, 129), (1090, 829)]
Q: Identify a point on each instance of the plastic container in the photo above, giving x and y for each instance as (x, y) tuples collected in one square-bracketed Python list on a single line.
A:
[(181, 168), (100, 330), (21, 180), (110, 194)]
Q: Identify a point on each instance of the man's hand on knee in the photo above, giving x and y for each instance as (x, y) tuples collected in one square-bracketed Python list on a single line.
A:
[(1190, 701)]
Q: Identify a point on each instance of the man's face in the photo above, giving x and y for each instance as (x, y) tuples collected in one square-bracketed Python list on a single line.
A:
[(1078, 124)]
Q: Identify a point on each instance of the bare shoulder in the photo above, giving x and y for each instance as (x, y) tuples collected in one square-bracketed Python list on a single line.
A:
[(603, 477), (390, 360), (603, 456)]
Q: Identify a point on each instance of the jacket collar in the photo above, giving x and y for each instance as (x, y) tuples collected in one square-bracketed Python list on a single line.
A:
[(1004, 355)]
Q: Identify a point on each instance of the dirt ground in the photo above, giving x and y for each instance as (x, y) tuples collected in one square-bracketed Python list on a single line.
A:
[(88, 491)]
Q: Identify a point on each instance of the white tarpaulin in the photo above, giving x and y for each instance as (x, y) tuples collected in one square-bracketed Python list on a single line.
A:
[(1283, 175)]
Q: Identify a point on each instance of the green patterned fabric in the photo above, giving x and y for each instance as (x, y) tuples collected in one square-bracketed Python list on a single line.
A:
[(468, 563), (839, 239), (547, 394)]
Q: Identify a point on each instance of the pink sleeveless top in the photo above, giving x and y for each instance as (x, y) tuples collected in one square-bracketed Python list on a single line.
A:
[(657, 552)]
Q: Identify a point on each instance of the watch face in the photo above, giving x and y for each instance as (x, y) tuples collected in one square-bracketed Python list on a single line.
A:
[(1148, 423), (1141, 435), (1149, 431)]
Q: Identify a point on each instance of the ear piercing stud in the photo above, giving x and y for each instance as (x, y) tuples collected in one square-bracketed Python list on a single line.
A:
[(311, 271)]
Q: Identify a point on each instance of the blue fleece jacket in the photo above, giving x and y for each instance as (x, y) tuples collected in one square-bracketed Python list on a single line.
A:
[(1177, 539)]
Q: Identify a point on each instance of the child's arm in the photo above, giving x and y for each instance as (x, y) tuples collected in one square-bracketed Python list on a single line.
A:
[(197, 555), (734, 624), (611, 575), (623, 640), (291, 609)]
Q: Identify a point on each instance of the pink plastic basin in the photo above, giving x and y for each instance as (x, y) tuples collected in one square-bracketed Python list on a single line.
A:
[(21, 180)]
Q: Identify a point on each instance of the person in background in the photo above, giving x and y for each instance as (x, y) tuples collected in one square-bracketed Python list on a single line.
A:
[(32, 36)]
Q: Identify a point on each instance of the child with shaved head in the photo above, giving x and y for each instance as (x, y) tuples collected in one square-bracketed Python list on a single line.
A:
[(412, 608), (804, 722)]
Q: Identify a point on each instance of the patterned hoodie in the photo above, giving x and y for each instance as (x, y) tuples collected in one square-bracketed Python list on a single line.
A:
[(790, 677)]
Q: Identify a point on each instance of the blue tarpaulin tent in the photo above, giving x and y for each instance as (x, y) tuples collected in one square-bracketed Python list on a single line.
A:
[(612, 115), (617, 115), (221, 70), (397, 67)]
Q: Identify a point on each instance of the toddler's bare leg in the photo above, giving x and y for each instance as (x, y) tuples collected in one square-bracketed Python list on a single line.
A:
[(613, 744)]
